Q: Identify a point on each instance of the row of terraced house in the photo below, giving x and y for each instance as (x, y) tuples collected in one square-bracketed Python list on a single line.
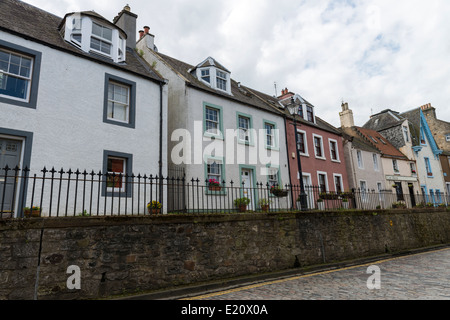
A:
[(95, 119)]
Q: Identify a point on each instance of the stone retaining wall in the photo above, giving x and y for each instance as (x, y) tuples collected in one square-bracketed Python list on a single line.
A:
[(124, 255)]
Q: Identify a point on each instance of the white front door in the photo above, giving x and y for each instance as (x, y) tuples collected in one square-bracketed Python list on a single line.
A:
[(248, 189)]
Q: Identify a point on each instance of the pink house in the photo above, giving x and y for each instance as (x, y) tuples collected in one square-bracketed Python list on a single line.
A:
[(320, 146)]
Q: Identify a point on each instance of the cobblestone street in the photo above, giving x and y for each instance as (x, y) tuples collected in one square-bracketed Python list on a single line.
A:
[(423, 276)]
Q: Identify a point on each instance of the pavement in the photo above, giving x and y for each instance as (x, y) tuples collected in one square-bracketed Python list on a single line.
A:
[(421, 274)]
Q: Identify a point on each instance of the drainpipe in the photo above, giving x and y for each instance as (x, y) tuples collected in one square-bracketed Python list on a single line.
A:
[(161, 85), (288, 162)]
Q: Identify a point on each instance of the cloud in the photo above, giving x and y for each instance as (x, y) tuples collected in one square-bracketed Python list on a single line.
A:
[(373, 54)]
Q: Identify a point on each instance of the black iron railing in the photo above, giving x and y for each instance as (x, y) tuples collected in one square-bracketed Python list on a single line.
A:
[(64, 193)]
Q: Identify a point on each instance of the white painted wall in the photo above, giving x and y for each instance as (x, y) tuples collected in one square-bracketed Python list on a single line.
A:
[(68, 126)]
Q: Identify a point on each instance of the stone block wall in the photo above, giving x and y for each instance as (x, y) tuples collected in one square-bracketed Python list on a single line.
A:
[(127, 255)]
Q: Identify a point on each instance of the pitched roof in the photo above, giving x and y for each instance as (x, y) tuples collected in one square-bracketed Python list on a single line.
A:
[(380, 143), (240, 93), (34, 24), (384, 120), (350, 134)]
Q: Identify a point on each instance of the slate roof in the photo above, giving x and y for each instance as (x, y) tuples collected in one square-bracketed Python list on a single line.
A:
[(380, 143), (240, 93), (32, 23), (357, 140), (384, 120)]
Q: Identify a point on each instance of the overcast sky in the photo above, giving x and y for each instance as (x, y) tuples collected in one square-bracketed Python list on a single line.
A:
[(373, 54)]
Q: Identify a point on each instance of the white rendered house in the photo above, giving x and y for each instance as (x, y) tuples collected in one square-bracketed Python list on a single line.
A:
[(219, 129), (75, 95)]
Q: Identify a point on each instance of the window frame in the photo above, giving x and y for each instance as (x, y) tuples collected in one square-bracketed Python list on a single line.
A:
[(376, 163), (220, 134), (331, 142), (322, 173), (310, 114), (128, 188), (131, 123), (428, 167), (101, 39), (305, 143), (322, 150), (222, 77), (250, 133), (206, 159), (359, 159), (275, 137), (395, 166), (341, 182), (36, 56)]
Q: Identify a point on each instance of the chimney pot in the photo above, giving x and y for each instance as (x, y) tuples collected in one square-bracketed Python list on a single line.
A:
[(147, 29)]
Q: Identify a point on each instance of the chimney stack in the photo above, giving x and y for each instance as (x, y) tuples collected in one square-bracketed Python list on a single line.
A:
[(149, 38), (126, 20), (428, 110), (346, 116)]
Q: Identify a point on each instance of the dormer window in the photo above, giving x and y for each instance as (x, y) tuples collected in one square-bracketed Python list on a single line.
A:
[(205, 75), (213, 74), (93, 34), (221, 78), (101, 39), (310, 113)]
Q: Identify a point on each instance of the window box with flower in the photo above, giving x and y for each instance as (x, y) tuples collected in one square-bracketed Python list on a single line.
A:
[(214, 185)]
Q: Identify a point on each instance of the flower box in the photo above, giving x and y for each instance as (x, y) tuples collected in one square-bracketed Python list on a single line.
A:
[(280, 193), (34, 212), (214, 188)]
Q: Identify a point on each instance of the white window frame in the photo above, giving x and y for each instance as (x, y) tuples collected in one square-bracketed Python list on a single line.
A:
[(330, 141), (101, 39), (305, 139), (406, 133), (18, 76), (203, 76), (428, 167), (447, 137), (221, 76), (272, 135), (321, 147), (127, 105), (376, 163), (412, 166), (244, 133), (363, 191), (395, 166), (212, 121), (326, 180), (359, 159), (338, 175)]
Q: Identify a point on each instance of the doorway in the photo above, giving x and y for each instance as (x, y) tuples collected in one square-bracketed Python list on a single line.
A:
[(411, 194), (248, 190), (10, 156)]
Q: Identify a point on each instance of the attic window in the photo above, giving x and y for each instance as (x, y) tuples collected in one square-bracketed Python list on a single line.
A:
[(95, 35), (382, 141), (221, 80), (205, 75), (101, 39), (373, 139)]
